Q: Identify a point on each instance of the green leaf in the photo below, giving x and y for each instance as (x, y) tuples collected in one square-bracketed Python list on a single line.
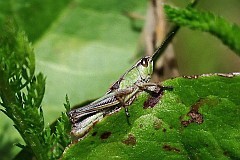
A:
[(227, 32), (199, 119)]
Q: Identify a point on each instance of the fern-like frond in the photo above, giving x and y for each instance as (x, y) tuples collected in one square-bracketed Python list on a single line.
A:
[(228, 33)]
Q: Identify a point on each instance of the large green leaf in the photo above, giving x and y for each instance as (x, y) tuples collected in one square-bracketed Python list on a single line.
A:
[(167, 131)]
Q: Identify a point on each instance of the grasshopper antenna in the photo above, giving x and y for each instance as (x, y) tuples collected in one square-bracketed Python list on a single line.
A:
[(165, 43), (169, 36)]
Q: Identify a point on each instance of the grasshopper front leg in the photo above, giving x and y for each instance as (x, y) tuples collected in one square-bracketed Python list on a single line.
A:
[(152, 88), (128, 100), (126, 97)]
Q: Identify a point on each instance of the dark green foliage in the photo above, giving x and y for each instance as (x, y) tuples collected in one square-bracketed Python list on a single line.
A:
[(20, 90), (21, 94), (227, 32), (58, 138), (33, 16)]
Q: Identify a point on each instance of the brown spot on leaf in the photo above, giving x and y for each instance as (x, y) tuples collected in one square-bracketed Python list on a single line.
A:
[(131, 140), (185, 123), (226, 153), (191, 77), (155, 95), (151, 101), (157, 124), (94, 133), (105, 135), (195, 116), (153, 98), (167, 147)]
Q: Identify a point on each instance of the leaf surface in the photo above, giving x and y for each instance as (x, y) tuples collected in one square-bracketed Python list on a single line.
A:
[(169, 130)]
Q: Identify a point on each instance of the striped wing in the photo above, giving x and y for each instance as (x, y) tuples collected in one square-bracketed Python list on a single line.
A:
[(100, 104)]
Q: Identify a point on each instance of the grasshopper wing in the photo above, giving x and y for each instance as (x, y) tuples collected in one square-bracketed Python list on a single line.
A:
[(101, 104)]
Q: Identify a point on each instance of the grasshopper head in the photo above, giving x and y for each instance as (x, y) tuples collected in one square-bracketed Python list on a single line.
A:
[(145, 68)]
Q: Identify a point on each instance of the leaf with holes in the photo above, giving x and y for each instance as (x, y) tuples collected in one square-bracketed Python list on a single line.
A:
[(199, 119)]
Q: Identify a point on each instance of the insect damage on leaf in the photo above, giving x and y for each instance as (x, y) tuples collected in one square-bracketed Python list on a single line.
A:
[(191, 77), (105, 135), (167, 147), (94, 134), (153, 99), (227, 75), (157, 124), (195, 116), (154, 96), (131, 140)]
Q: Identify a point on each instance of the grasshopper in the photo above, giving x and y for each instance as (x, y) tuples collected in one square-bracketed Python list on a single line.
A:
[(120, 95)]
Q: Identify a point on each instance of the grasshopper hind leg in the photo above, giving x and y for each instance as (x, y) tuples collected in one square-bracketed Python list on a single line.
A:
[(125, 106), (127, 115), (126, 112)]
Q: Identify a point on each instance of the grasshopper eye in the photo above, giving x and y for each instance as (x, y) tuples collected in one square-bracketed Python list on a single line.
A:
[(144, 62)]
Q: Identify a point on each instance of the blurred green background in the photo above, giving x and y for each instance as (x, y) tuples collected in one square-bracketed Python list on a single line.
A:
[(82, 47)]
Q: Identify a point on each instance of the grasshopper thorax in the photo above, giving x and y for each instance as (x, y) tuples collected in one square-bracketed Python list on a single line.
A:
[(140, 72)]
